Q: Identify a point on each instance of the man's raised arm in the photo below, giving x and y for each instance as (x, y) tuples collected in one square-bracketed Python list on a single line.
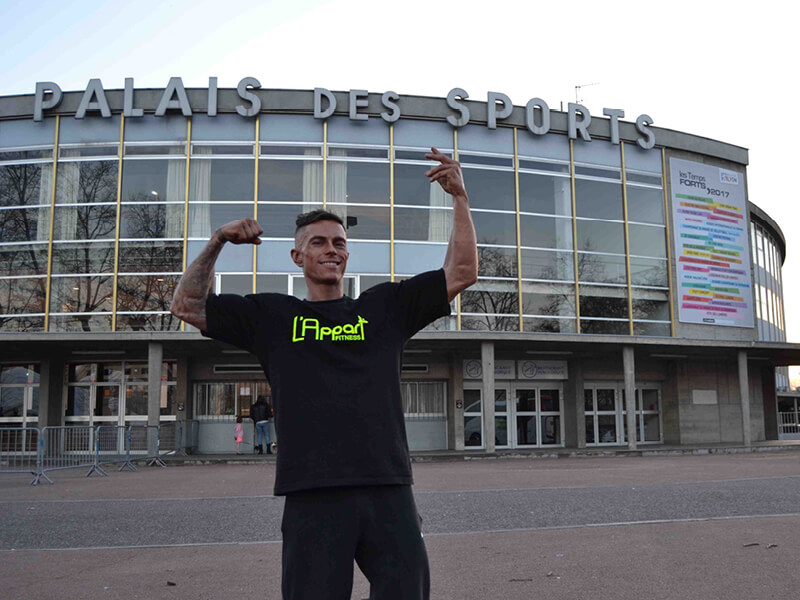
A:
[(461, 260), (189, 301)]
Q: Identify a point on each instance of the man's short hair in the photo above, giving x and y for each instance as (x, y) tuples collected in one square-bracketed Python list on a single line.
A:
[(314, 216)]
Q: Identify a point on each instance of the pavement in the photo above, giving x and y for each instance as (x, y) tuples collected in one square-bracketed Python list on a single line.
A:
[(703, 525)]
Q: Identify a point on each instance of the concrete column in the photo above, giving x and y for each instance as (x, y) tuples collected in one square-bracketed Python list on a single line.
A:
[(51, 391), (577, 412), (630, 395), (487, 362), (155, 356), (744, 396), (457, 368)]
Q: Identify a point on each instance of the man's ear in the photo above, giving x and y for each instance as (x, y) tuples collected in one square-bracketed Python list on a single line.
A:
[(297, 257)]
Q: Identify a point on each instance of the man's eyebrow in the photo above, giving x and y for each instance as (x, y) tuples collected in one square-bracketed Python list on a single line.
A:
[(337, 238)]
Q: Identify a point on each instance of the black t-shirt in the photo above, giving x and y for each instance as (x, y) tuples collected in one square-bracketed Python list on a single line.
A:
[(334, 368)]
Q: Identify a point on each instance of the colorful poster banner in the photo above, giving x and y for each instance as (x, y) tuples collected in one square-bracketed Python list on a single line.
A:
[(712, 246)]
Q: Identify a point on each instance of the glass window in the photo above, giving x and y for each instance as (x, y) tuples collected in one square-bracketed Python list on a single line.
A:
[(80, 294), (87, 182), (497, 262), (87, 222), (651, 329), (151, 221), (549, 325), (598, 199), (290, 128), (601, 268), (604, 327), (364, 222), (290, 180), (544, 194), (150, 128), (495, 228), (358, 182), (25, 185), (603, 301), (543, 264), (147, 322), (601, 236), (278, 220), (368, 281), (236, 284), (492, 297), (161, 149), (150, 257), (83, 258), (647, 240), (23, 260), (204, 219), (25, 225), (275, 284), (154, 181), (651, 305), (221, 180), (145, 293), (423, 134), (648, 271), (545, 232), (490, 189), (412, 187), (422, 224), (645, 205), (489, 323), (89, 130), (22, 296), (21, 324), (136, 400), (547, 299)]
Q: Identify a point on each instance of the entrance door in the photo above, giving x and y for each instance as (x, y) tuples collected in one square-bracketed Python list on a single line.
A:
[(537, 415), (605, 412)]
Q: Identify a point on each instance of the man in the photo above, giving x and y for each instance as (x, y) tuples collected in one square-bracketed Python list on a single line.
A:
[(334, 367), (260, 413)]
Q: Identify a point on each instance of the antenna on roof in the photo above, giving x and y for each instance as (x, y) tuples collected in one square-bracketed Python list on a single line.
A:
[(578, 88)]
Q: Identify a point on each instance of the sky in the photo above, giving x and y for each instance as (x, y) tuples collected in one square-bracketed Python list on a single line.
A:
[(721, 70)]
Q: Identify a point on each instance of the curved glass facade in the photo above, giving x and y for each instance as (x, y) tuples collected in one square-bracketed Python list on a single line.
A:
[(99, 218)]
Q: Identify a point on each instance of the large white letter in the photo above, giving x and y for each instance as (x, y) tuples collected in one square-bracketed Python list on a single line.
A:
[(128, 110), (530, 116), (174, 86), (491, 108), (615, 114), (211, 110), (456, 105), (389, 100), (40, 104), (358, 99), (93, 90), (318, 112), (250, 96), (573, 125), (649, 140)]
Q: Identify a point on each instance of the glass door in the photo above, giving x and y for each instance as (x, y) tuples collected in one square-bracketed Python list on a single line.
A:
[(525, 400), (537, 415), (603, 420), (473, 419), (501, 415)]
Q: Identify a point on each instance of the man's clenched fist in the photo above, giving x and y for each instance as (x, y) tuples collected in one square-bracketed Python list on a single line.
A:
[(244, 231)]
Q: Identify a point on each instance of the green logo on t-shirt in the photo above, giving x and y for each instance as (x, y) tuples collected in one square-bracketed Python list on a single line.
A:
[(304, 326)]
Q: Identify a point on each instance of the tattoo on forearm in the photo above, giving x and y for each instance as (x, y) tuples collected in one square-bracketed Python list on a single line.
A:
[(189, 301)]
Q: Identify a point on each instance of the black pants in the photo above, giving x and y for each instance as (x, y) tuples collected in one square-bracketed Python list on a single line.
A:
[(379, 527)]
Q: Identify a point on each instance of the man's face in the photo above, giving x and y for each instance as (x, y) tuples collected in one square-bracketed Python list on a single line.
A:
[(321, 251)]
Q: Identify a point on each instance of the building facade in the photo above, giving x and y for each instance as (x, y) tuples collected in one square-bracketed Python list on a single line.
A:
[(616, 260)]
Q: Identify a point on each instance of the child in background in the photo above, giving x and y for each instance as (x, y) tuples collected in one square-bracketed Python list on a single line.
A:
[(238, 434)]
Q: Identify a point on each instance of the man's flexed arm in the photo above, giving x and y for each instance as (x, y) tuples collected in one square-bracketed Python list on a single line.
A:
[(189, 301), (461, 260)]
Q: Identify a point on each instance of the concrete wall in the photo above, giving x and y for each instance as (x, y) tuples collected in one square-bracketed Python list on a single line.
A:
[(720, 422)]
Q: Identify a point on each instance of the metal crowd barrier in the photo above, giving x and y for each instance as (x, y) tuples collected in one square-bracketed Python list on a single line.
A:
[(70, 447), (113, 446), (19, 451), (145, 442), (177, 437)]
